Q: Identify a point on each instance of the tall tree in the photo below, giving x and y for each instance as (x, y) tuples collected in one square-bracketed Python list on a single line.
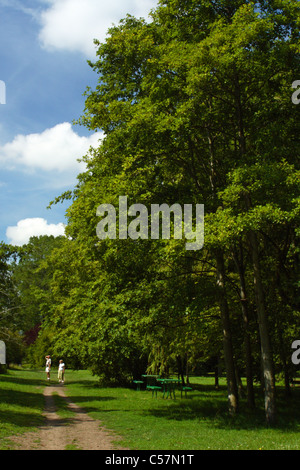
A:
[(193, 106)]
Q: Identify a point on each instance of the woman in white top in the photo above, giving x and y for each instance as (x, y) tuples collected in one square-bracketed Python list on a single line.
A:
[(48, 366)]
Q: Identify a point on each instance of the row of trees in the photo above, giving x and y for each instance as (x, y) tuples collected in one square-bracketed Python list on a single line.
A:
[(195, 108), (24, 293), (10, 315)]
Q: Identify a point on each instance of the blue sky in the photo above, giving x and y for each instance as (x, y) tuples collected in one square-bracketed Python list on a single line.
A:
[(44, 48)]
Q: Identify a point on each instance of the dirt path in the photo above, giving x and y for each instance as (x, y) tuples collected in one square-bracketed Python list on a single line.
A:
[(80, 432)]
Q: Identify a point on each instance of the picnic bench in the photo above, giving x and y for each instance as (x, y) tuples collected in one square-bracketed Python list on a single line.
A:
[(138, 384), (154, 388), (185, 389), (155, 383), (151, 384)]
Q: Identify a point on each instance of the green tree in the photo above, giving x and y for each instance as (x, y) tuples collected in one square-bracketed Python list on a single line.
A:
[(32, 279), (196, 107), (11, 317), (9, 314)]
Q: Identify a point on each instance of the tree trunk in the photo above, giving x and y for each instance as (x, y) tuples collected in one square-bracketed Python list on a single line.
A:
[(216, 372), (180, 368), (186, 366), (247, 341), (227, 340), (217, 377), (266, 354), (269, 382), (283, 357)]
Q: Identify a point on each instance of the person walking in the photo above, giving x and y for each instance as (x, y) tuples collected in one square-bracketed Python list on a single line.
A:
[(48, 367), (61, 371)]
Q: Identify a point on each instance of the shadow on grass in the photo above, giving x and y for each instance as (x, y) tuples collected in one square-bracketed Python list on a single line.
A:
[(214, 409), (20, 408), (204, 402), (22, 401), (87, 402), (20, 405), (22, 420), (10, 377)]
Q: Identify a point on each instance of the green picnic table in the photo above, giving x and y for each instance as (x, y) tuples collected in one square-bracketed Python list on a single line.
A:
[(155, 383), (169, 386)]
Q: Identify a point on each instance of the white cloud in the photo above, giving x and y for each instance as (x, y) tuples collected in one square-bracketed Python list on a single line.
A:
[(57, 148), (73, 24), (26, 228)]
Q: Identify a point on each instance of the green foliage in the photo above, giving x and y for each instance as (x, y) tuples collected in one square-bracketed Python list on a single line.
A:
[(9, 313), (195, 107), (35, 353), (14, 345), (32, 278)]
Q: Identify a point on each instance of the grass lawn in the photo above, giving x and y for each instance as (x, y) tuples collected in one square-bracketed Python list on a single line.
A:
[(199, 422), (21, 403)]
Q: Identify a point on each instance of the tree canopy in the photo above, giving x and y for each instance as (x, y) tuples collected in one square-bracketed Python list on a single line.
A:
[(195, 108)]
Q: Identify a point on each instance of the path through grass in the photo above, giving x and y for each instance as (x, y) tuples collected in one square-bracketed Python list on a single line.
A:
[(145, 423)]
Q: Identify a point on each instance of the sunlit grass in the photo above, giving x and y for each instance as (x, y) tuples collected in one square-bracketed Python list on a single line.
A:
[(21, 403), (144, 423), (198, 422)]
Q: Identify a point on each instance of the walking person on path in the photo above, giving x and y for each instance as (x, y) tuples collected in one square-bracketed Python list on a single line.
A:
[(61, 371), (48, 367)]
